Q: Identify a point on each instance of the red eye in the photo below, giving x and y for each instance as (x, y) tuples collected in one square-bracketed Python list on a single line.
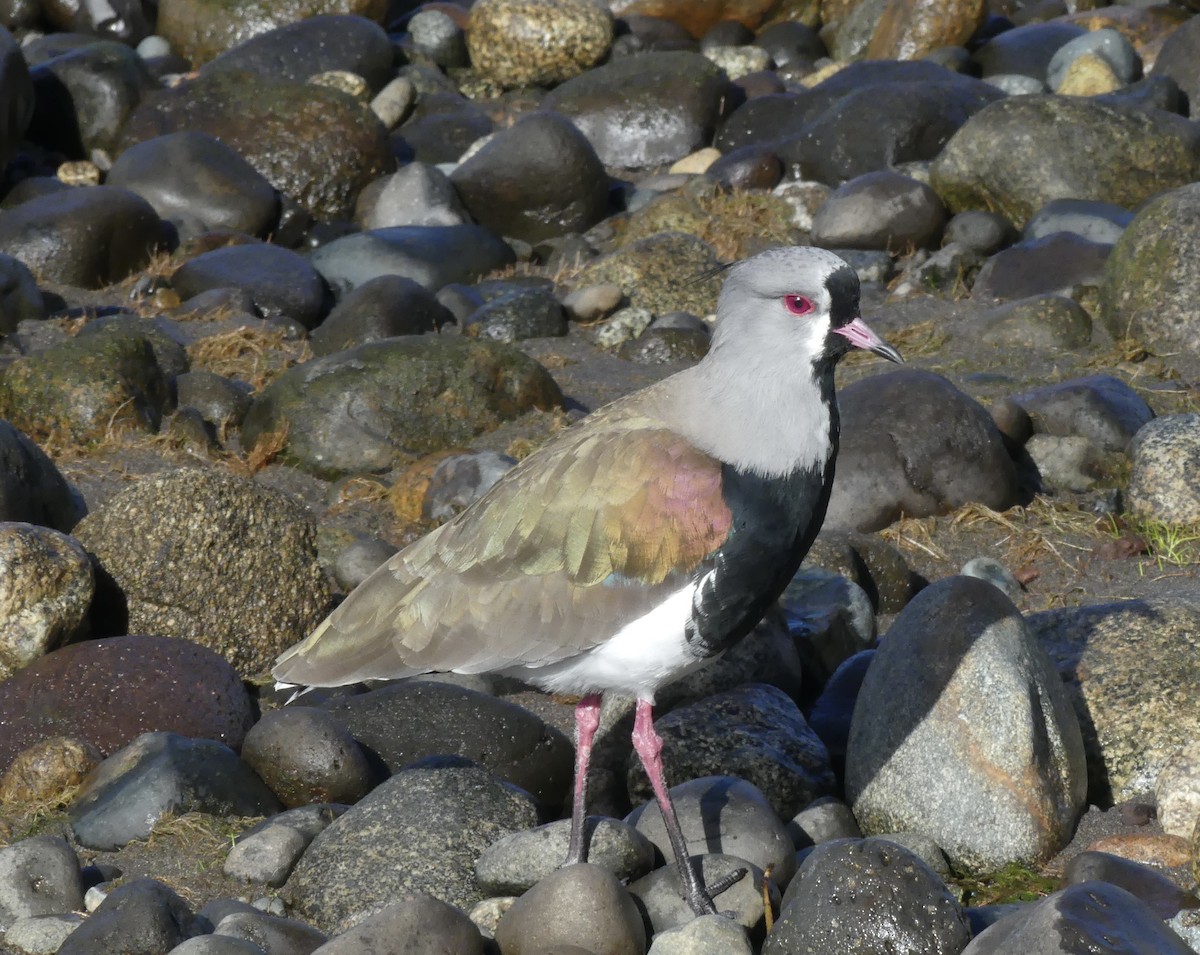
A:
[(798, 304)]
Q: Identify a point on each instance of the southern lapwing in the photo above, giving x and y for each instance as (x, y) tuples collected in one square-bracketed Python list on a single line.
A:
[(641, 542)]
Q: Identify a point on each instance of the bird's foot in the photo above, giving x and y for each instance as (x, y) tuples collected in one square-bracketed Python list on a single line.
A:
[(700, 897)]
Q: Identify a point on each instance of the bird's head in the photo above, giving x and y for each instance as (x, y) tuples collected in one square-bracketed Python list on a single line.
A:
[(800, 301)]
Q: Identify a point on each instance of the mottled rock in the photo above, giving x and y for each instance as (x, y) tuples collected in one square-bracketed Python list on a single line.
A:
[(384, 307), (966, 659), (1012, 158), (1101, 408), (1123, 664), (1134, 301), (911, 29), (47, 772), (161, 774), (516, 315), (895, 459), (218, 559), (46, 589), (1026, 50), (537, 42), (1095, 221), (394, 929), (1040, 321), (1177, 791), (342, 416), (663, 273), (1108, 45), (268, 856), (707, 935), (137, 918), (1166, 455), (881, 210), (38, 876), (460, 480), (271, 933), (421, 830)]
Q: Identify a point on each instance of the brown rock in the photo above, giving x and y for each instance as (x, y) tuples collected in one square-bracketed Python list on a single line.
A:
[(1088, 75), (107, 692), (407, 493), (47, 772), (698, 16), (909, 29), (524, 42), (1150, 849)]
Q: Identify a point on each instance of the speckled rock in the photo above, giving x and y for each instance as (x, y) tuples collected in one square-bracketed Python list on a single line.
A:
[(537, 179), (1101, 408), (1166, 460), (574, 903), (707, 935), (83, 387), (1124, 665), (83, 237), (200, 29), (755, 732), (645, 110), (315, 145), (421, 830), (911, 29), (881, 210), (214, 558), (1012, 157), (106, 692), (384, 307), (1177, 791), (867, 895), (46, 588), (47, 772), (1110, 46), (307, 756), (537, 42), (342, 416), (966, 659), (895, 459), (1133, 302), (661, 273), (518, 314)]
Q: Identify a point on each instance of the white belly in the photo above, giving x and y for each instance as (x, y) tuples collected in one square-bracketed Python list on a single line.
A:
[(641, 657)]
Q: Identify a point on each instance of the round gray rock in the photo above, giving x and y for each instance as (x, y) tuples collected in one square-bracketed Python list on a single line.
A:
[(38, 876), (394, 929), (1101, 408), (982, 751), (880, 210), (913, 444)]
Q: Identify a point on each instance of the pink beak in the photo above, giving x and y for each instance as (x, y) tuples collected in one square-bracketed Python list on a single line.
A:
[(860, 336)]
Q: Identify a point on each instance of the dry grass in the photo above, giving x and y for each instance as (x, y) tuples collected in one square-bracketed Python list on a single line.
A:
[(267, 448), (256, 356), (913, 341), (736, 218), (1029, 533)]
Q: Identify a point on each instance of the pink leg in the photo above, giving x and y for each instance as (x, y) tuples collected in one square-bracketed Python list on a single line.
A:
[(587, 721), (648, 745)]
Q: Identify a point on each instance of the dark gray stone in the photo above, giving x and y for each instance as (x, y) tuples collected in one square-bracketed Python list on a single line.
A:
[(305, 755), (1100, 222), (281, 283), (17, 101), (460, 480), (517, 315), (1146, 883), (1101, 408), (221, 401), (1083, 918), (383, 307), (414, 918), (829, 617), (1053, 265), (266, 857), (83, 237), (645, 110), (142, 917), (982, 751), (979, 231), (1042, 321), (442, 127), (822, 820), (880, 210), (271, 933), (20, 297), (834, 904), (431, 255), (1026, 50), (755, 732), (913, 444), (833, 710), (161, 773), (421, 830), (663, 905), (537, 179), (416, 194), (1179, 61), (198, 184), (32, 489), (707, 935), (407, 722)]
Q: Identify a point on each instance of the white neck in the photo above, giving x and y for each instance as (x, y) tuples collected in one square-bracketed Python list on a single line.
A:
[(764, 414)]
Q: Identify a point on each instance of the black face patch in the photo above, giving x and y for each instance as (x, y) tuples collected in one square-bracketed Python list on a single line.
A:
[(843, 296)]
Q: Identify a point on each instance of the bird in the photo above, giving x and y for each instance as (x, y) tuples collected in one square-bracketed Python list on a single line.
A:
[(638, 544)]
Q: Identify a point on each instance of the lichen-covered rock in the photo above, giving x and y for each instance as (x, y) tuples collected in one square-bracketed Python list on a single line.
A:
[(1165, 484), (216, 559), (340, 412)]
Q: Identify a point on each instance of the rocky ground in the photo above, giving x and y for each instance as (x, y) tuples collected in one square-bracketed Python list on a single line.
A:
[(282, 292)]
